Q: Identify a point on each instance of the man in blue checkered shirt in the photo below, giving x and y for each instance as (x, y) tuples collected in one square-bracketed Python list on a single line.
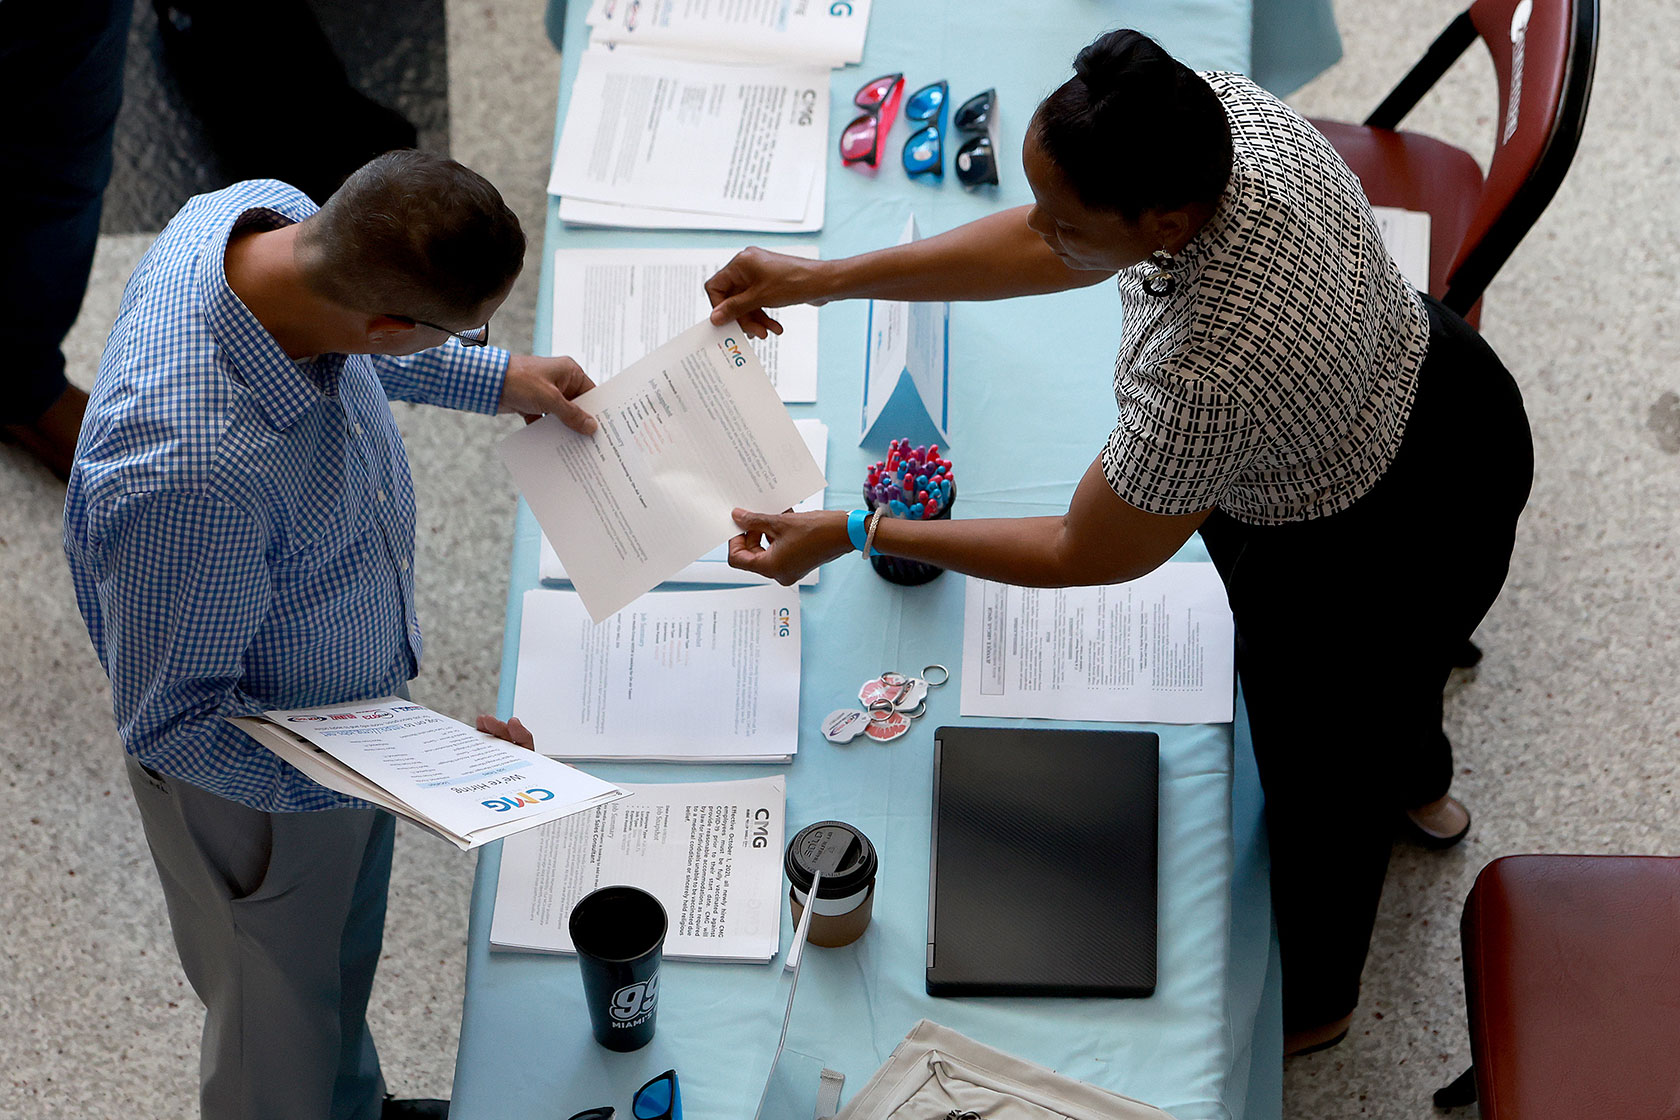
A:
[(240, 531)]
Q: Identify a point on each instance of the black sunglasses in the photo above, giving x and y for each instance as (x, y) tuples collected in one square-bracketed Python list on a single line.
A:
[(976, 162), (478, 336)]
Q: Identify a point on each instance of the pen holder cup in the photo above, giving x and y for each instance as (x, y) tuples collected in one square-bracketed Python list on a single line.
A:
[(909, 573)]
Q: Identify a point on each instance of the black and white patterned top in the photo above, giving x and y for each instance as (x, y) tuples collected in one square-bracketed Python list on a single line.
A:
[(1275, 381)]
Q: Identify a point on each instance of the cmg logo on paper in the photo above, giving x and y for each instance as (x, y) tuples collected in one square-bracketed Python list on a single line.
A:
[(784, 623), (732, 350), (529, 797)]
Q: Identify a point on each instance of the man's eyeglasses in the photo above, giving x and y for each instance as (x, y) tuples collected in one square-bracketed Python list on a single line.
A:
[(657, 1100), (924, 152), (976, 162), (478, 336), (861, 141)]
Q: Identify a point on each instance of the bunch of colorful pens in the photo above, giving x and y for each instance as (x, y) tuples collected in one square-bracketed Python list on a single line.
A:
[(911, 482)]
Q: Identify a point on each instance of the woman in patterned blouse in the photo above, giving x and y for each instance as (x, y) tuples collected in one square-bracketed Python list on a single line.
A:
[(1353, 454)]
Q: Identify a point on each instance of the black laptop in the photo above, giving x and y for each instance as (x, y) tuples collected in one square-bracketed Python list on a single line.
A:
[(1044, 862)]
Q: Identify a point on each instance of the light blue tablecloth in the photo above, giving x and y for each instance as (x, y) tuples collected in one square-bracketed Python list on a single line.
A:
[(1294, 42), (1291, 41), (1032, 404)]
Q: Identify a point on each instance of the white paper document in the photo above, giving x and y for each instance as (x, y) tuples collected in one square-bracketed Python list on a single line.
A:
[(687, 435), (826, 32), (647, 130), (713, 568), (460, 783), (613, 307), (710, 852), (685, 676), (1406, 235), (588, 212), (1156, 650)]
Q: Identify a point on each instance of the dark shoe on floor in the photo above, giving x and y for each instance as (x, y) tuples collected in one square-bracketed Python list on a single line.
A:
[(426, 1109), (1314, 1039), (52, 437), (1334, 1040), (1427, 833)]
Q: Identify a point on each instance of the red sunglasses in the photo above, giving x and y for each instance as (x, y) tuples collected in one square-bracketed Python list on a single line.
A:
[(861, 140)]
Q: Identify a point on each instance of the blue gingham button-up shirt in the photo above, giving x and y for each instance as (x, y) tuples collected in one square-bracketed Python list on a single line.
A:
[(239, 525)]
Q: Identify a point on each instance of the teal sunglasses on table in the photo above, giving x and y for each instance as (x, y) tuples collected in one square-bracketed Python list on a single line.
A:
[(659, 1099)]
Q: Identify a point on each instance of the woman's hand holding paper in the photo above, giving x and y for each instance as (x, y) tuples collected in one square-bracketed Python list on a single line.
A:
[(785, 546), (757, 278)]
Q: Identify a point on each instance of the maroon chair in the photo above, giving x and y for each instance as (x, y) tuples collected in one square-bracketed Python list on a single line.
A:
[(1572, 982), (1544, 52)]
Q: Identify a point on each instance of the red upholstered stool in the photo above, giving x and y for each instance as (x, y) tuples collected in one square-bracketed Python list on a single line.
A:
[(1572, 977)]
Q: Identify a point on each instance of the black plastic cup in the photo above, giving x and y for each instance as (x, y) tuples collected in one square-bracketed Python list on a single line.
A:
[(909, 573), (619, 933)]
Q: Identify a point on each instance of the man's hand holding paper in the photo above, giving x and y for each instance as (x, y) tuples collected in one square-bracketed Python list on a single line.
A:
[(536, 386), (687, 435)]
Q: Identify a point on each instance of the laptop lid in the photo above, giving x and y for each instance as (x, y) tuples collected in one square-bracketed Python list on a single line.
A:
[(1043, 862)]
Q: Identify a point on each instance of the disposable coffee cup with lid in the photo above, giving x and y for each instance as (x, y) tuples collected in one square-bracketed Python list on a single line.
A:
[(846, 895)]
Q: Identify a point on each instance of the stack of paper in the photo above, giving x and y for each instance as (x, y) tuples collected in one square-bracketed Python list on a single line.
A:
[(828, 33), (466, 786), (679, 676), (654, 141), (710, 852)]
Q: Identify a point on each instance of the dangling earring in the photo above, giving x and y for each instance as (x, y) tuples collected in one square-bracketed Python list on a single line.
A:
[(1161, 282)]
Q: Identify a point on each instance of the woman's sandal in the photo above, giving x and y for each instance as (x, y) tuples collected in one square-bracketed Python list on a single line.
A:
[(1323, 1044), (1317, 1046), (1416, 833)]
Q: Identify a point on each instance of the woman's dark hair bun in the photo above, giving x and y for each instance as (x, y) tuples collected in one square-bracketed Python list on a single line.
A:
[(1129, 101), (1104, 65)]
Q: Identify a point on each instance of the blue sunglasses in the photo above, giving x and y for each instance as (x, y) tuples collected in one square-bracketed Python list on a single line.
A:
[(659, 1099), (924, 152)]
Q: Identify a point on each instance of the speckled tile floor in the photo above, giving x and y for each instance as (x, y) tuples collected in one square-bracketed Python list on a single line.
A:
[(1567, 735)]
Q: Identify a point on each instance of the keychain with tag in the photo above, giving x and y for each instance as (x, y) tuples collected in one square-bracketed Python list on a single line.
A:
[(901, 692), (891, 702), (905, 693), (845, 724), (886, 730)]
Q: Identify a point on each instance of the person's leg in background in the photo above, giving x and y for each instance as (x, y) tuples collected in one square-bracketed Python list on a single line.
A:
[(278, 918), (315, 126), (61, 66)]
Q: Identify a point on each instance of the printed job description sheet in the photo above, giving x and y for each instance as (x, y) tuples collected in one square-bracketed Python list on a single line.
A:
[(1156, 650), (701, 676)]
